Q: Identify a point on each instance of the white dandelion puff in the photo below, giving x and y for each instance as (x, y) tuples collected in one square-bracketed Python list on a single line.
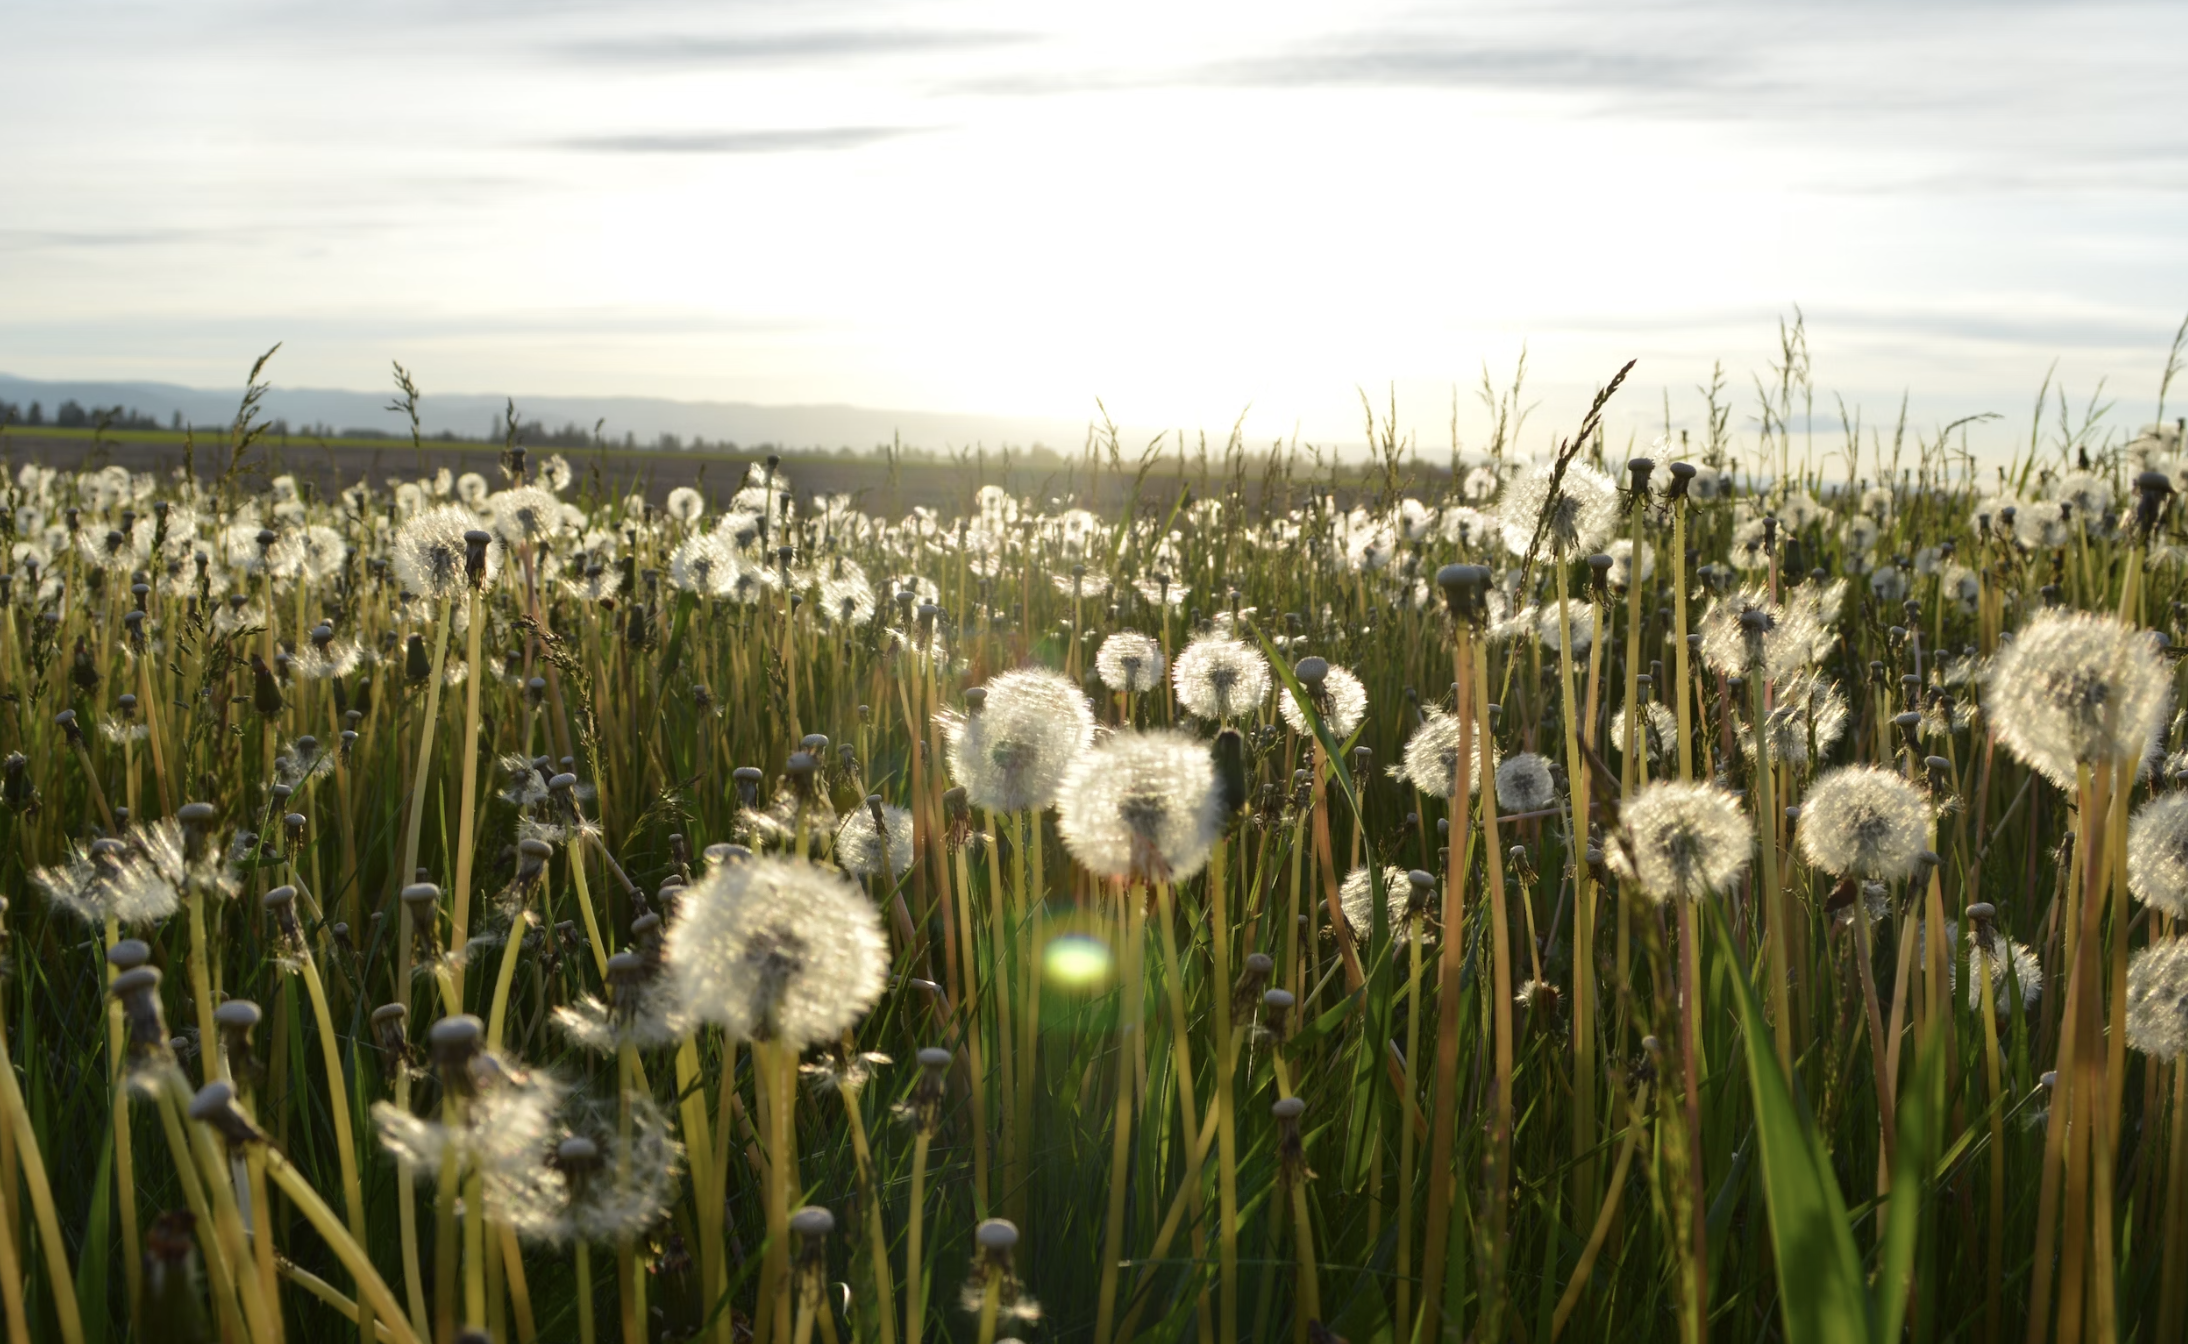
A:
[(1581, 510), (705, 565), (685, 505), (865, 850), (1659, 730), (506, 1136), (2077, 689), (1012, 750), (430, 553), (1808, 707), (1430, 761), (1142, 806), (1355, 896), (1343, 705), (1861, 821), (1130, 663), (777, 949), (2157, 1000), (1682, 841), (1524, 783), (2157, 853), (1221, 679)]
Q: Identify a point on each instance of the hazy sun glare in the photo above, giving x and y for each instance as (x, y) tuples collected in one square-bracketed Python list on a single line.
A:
[(987, 209)]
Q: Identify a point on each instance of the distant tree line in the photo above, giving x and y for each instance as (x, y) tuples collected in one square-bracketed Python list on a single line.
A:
[(73, 414)]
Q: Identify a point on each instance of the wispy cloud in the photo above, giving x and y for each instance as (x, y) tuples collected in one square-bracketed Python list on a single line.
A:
[(792, 140), (705, 50)]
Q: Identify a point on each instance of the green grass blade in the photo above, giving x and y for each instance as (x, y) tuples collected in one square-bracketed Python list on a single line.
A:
[(1820, 1284)]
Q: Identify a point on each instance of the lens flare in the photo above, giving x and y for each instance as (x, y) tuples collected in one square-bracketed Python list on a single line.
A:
[(1077, 961)]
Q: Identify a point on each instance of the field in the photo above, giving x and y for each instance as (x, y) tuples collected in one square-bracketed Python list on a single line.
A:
[(1718, 890)]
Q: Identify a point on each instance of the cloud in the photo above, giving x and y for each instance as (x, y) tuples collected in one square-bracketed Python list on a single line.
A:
[(689, 50), (792, 140)]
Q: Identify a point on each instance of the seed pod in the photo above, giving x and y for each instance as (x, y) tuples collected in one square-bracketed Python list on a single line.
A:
[(237, 1018), (1252, 978), (456, 1041), (215, 1107)]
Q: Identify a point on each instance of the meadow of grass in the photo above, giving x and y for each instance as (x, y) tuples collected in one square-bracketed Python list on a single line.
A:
[(1489, 902)]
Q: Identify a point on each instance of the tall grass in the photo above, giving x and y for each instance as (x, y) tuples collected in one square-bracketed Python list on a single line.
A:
[(1524, 1098)]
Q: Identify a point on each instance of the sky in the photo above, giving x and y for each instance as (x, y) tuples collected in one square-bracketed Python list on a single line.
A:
[(1189, 216)]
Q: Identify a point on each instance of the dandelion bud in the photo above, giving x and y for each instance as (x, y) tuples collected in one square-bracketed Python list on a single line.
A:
[(16, 789), (66, 722), (1465, 589), (532, 857), (748, 779), (1291, 1148), (1276, 1007), (720, 854), (236, 1019), (196, 820), (128, 954), (475, 542), (422, 900), (1941, 773), (389, 1031), (280, 905), (1310, 671), (137, 990), (417, 663), (455, 1042), (1247, 992), (812, 1225), (215, 1107), (799, 770), (1640, 467), (1599, 576)]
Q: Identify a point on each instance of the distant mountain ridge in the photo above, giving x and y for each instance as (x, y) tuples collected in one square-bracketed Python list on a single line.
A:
[(644, 420)]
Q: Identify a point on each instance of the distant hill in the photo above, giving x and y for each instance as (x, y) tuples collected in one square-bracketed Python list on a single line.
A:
[(637, 421)]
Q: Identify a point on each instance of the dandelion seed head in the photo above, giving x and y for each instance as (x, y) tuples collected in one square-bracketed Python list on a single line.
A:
[(1356, 897), (1862, 821), (706, 565), (863, 850), (1344, 705), (2157, 1000), (1733, 646), (1013, 754), (1682, 841), (1807, 704), (685, 504), (1144, 807), (1524, 783), (1221, 679), (1430, 761), (430, 553), (2157, 853), (1130, 663), (1582, 509), (1659, 730), (508, 1130), (2073, 688), (777, 949)]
